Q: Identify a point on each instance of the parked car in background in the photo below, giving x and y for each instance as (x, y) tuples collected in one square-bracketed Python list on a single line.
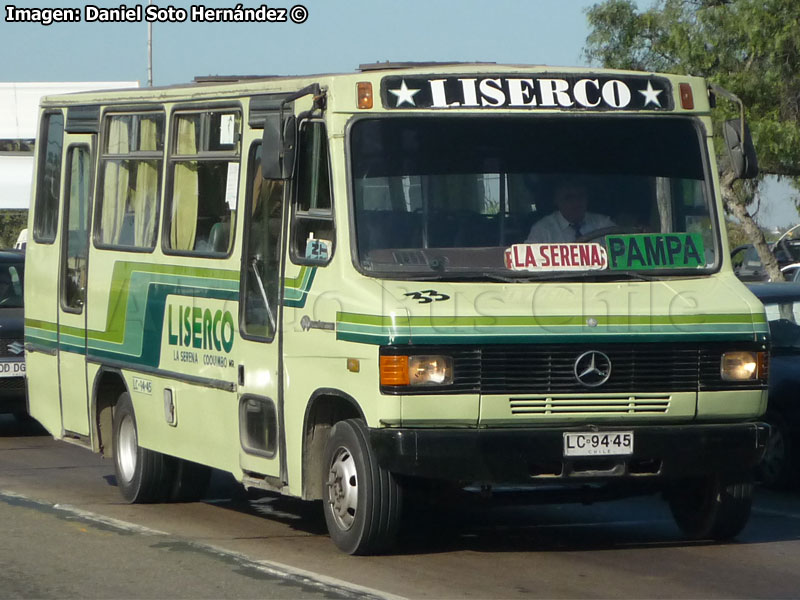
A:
[(748, 267), (12, 349), (779, 467)]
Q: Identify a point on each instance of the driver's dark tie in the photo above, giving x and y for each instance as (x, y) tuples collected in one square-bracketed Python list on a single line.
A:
[(577, 227)]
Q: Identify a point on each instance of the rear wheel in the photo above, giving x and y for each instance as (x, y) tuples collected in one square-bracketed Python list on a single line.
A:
[(715, 507), (142, 475), (361, 500)]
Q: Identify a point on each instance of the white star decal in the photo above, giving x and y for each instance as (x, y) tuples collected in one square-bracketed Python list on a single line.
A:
[(404, 94), (651, 95)]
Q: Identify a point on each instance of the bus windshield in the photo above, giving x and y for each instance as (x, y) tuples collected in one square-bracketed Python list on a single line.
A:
[(453, 196)]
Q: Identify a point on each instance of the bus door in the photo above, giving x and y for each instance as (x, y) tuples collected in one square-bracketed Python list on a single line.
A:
[(72, 282), (260, 408)]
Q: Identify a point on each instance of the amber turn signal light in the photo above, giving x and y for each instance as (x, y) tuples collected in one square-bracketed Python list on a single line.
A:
[(687, 99), (394, 370), (364, 90)]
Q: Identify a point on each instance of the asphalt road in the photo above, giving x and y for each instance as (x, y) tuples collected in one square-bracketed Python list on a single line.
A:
[(67, 533)]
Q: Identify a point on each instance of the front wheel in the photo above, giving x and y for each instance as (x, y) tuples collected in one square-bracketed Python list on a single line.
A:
[(362, 501), (715, 507), (142, 475)]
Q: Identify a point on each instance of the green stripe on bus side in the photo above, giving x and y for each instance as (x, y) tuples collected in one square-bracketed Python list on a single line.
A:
[(139, 292), (403, 338), (129, 279), (377, 329), (295, 290), (547, 321), (501, 331)]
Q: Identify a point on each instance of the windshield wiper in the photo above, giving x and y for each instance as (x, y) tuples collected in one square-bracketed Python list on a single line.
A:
[(599, 274), (528, 278)]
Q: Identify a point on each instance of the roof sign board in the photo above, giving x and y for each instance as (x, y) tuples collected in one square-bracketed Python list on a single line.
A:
[(526, 91)]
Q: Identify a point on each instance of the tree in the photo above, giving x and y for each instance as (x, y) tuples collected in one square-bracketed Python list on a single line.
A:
[(750, 47)]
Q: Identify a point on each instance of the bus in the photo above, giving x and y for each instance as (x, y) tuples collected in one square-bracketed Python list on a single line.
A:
[(357, 287)]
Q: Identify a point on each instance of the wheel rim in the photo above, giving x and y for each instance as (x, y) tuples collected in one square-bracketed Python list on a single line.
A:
[(127, 448), (773, 463), (343, 488)]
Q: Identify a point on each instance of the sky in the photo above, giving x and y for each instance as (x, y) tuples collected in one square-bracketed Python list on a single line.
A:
[(336, 36)]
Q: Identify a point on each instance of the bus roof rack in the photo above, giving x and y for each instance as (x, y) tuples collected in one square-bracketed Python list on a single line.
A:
[(388, 65), (230, 78)]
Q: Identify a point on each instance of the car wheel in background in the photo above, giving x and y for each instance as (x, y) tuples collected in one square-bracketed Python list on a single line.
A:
[(715, 507), (778, 468)]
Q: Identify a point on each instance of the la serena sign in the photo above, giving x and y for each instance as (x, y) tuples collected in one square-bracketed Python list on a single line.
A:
[(524, 91), (556, 257)]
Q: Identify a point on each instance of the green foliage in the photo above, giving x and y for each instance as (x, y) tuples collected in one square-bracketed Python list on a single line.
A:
[(750, 47), (737, 236), (11, 223)]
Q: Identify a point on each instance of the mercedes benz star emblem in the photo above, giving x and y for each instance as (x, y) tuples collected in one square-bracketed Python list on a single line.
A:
[(592, 368)]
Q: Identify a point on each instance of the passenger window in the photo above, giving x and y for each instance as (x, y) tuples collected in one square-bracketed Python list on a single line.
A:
[(47, 188), (130, 184), (313, 226), (204, 175), (262, 261)]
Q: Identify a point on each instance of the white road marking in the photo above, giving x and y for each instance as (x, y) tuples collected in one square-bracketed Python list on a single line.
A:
[(274, 569), (107, 521), (277, 569)]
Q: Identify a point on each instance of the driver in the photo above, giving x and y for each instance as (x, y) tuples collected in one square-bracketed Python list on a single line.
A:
[(570, 221)]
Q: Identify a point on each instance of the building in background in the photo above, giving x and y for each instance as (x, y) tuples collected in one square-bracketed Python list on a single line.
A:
[(19, 109)]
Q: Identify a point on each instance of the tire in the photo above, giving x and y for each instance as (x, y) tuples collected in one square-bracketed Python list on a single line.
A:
[(142, 475), (190, 480), (23, 418), (715, 507), (777, 469), (362, 501)]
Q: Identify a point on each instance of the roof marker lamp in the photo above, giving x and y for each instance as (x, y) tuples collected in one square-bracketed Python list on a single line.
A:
[(413, 371), (742, 366), (687, 99), (364, 91)]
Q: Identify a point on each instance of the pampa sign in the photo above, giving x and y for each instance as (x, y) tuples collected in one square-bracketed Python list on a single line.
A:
[(525, 91)]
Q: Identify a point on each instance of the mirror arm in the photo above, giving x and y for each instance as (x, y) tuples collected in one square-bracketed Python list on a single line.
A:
[(314, 89), (721, 91)]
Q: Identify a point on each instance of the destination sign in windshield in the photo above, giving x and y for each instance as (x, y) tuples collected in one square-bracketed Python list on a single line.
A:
[(623, 253)]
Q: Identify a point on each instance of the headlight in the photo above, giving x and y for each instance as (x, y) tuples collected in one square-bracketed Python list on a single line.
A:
[(427, 369), (741, 366)]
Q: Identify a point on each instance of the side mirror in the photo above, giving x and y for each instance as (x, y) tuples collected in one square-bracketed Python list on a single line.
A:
[(271, 147), (740, 149), (278, 145)]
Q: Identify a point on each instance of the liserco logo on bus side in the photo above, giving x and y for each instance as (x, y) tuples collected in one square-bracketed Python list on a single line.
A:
[(195, 327), (545, 91)]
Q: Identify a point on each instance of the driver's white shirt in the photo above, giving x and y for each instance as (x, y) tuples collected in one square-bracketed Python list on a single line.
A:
[(554, 228)]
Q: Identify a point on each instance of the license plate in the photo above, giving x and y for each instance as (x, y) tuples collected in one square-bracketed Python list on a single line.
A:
[(598, 443), (12, 369)]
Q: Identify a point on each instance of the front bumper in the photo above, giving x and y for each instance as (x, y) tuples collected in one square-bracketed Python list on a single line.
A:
[(536, 454)]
